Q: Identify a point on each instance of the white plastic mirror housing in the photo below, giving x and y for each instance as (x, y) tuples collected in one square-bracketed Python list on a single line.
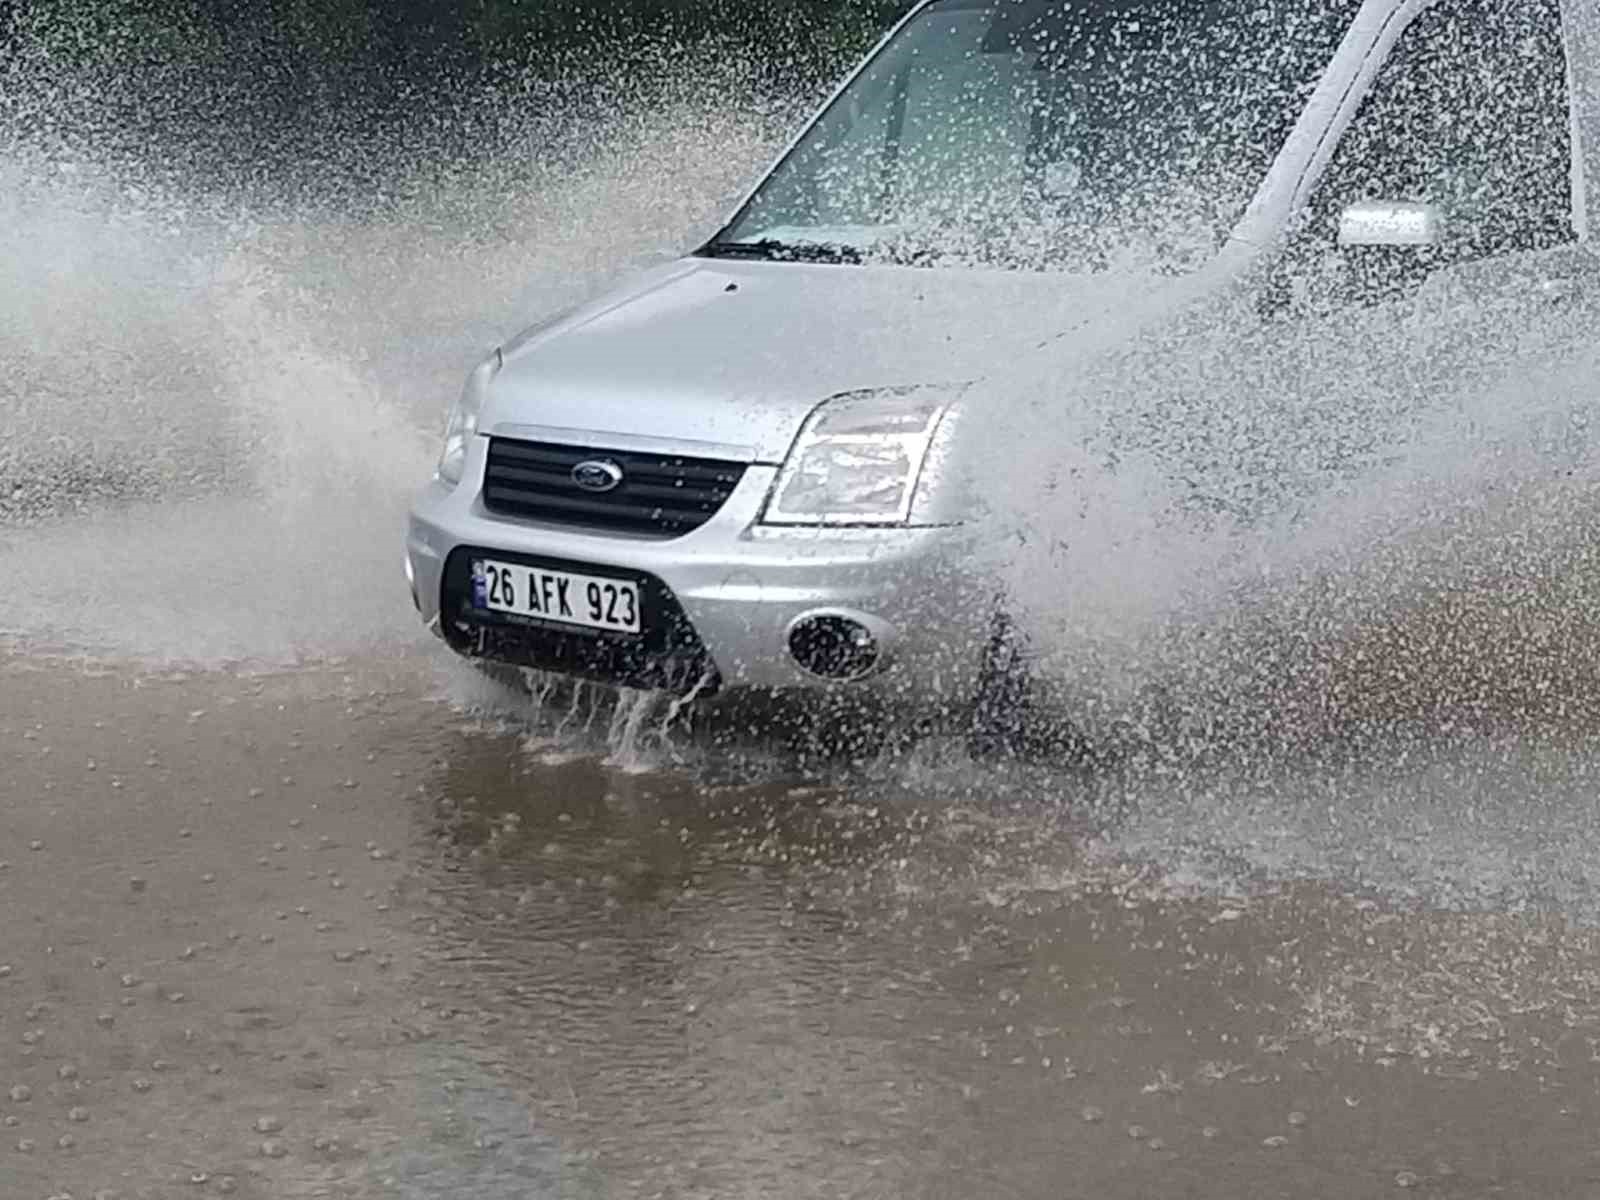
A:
[(1390, 223)]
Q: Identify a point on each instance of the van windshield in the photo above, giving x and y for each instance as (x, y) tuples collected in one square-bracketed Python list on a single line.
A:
[(1079, 135)]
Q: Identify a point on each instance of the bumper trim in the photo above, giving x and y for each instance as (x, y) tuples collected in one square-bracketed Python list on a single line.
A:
[(669, 656)]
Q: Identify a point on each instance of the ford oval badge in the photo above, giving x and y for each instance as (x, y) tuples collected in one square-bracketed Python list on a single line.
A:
[(597, 475)]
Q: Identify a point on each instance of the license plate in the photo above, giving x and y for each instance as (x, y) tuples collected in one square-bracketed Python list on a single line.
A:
[(565, 597)]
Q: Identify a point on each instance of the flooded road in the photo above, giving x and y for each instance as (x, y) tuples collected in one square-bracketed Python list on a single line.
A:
[(337, 932), (295, 906)]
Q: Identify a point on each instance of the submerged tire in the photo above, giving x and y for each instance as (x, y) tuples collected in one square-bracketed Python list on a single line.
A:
[(1011, 714)]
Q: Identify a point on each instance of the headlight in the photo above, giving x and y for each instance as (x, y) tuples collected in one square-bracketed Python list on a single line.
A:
[(462, 425), (858, 458)]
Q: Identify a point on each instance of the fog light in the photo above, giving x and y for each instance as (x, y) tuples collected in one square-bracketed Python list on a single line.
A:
[(834, 647), (411, 582)]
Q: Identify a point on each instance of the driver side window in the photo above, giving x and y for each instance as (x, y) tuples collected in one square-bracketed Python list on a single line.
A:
[(1469, 117)]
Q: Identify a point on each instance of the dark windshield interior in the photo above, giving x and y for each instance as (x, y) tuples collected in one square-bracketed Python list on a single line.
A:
[(1076, 134)]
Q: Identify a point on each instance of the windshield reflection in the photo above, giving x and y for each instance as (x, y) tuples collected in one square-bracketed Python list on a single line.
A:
[(1083, 136)]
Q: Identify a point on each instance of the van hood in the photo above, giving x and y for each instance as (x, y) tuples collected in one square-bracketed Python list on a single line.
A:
[(736, 354)]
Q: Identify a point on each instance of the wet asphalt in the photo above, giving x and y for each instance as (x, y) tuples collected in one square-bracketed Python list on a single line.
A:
[(329, 933)]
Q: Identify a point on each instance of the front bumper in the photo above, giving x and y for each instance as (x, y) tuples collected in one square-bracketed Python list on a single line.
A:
[(738, 588)]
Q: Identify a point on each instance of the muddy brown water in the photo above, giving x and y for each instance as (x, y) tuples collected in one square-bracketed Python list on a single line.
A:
[(319, 933)]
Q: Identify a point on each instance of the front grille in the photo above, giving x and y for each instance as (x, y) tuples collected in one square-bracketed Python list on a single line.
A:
[(667, 656), (660, 496)]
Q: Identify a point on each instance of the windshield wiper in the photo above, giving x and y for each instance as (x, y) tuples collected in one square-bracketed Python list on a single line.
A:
[(773, 250)]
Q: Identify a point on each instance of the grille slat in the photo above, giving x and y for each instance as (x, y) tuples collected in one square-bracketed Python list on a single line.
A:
[(559, 482), (644, 466), (661, 496), (576, 509)]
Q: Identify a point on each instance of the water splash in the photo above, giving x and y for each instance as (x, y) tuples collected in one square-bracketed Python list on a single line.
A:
[(559, 720), (631, 728), (1266, 558), (217, 394), (215, 397)]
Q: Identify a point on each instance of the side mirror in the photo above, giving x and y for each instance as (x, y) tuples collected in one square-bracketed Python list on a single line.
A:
[(1390, 223)]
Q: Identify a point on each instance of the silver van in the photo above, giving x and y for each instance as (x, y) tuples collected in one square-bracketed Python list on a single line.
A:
[(764, 465)]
